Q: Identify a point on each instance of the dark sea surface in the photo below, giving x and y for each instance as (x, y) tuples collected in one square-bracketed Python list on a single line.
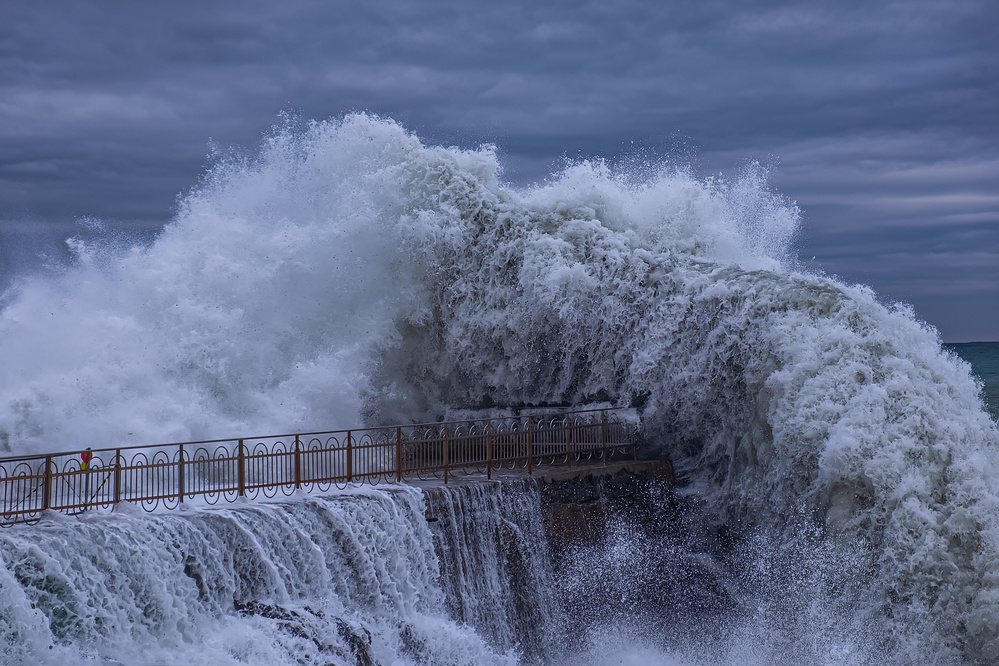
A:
[(984, 360)]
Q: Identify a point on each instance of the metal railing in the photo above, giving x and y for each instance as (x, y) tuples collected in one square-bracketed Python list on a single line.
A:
[(228, 469)]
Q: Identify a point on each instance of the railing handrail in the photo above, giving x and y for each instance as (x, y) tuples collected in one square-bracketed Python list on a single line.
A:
[(167, 474), (428, 424)]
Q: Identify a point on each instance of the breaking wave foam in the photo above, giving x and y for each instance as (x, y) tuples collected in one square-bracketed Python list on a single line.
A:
[(349, 273)]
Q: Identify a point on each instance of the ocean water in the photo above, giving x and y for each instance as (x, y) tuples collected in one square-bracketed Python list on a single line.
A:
[(984, 360), (837, 464)]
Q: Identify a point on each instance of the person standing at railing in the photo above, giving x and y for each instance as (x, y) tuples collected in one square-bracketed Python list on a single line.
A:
[(86, 457)]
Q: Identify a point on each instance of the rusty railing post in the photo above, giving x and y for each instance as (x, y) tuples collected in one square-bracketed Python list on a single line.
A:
[(350, 457), (489, 448), (445, 452), (86, 486), (530, 452), (298, 462), (47, 484), (568, 440), (398, 454), (603, 434), (241, 470), (117, 476), (180, 473)]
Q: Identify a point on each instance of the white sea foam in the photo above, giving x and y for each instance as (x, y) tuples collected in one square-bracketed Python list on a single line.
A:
[(349, 273), (314, 579)]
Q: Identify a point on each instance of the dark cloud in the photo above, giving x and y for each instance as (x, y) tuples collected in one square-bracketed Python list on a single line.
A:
[(880, 117)]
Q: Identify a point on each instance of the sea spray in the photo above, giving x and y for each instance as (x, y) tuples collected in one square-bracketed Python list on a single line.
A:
[(776, 391), (347, 273)]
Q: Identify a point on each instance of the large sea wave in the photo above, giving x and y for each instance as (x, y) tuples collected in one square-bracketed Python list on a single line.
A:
[(347, 273)]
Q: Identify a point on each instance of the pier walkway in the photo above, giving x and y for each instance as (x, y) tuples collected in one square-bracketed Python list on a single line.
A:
[(225, 470)]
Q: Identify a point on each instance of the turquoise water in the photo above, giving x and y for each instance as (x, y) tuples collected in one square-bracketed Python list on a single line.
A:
[(984, 360)]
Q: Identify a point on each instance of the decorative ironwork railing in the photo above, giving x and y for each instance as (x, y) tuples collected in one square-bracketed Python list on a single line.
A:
[(227, 469)]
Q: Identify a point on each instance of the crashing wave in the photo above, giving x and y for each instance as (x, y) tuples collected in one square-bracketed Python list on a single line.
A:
[(349, 273)]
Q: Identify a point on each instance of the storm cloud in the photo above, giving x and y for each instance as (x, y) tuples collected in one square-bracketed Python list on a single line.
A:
[(879, 119)]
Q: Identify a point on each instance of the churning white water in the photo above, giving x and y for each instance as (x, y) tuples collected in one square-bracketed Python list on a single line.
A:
[(317, 581), (841, 464)]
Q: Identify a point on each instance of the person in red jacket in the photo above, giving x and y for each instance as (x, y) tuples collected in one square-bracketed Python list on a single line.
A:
[(86, 457)]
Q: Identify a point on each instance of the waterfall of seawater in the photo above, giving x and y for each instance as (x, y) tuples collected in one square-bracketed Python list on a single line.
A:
[(350, 578), (495, 564), (347, 273), (456, 575)]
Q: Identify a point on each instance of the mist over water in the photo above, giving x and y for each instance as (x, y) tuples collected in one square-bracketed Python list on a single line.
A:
[(839, 462)]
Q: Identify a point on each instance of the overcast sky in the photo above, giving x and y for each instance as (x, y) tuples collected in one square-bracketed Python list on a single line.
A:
[(881, 118)]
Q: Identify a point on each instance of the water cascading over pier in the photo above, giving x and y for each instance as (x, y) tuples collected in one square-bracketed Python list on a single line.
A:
[(446, 575)]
